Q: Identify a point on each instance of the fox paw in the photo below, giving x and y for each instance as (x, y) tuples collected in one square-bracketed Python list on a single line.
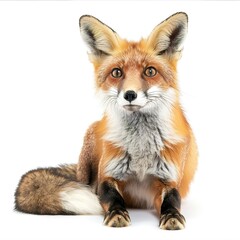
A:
[(117, 218), (172, 220)]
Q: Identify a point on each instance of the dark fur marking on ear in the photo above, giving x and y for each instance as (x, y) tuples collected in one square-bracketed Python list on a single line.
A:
[(90, 33), (175, 37), (91, 37), (175, 40), (92, 41)]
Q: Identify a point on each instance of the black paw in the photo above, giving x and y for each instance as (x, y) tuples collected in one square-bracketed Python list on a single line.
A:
[(172, 220), (117, 218)]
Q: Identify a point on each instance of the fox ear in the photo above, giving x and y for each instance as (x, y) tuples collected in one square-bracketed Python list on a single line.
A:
[(168, 36), (100, 38)]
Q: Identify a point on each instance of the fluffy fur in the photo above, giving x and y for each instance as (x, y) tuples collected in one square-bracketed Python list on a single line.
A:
[(142, 153)]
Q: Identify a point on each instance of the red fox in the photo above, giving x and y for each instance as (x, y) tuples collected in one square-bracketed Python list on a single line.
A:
[(142, 153)]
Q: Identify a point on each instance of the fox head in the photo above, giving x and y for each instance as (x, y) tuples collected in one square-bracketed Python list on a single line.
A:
[(136, 76)]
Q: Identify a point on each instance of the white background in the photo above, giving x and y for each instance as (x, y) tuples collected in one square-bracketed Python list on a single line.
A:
[(47, 101)]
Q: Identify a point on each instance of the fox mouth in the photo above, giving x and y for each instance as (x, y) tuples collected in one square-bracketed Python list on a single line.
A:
[(132, 108)]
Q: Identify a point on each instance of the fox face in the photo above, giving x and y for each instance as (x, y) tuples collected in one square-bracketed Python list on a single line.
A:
[(135, 76), (134, 81)]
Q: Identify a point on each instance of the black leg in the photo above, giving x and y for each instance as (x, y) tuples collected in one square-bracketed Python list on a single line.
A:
[(112, 202), (170, 218)]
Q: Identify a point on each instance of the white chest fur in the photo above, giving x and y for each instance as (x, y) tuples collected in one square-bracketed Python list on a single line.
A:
[(141, 138)]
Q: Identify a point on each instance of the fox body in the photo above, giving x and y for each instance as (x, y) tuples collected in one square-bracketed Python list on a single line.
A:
[(142, 153)]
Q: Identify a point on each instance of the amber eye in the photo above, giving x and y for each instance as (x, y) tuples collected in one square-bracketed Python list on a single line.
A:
[(116, 73), (150, 71)]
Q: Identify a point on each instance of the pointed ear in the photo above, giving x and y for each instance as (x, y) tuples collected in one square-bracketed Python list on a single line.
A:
[(168, 36), (100, 38)]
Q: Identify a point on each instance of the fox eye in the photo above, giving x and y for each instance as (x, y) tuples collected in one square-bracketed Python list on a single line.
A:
[(150, 71), (116, 73)]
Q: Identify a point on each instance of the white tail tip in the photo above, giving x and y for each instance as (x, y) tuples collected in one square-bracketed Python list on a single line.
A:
[(80, 201)]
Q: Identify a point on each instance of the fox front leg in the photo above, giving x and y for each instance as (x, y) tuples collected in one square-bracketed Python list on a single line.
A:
[(113, 204), (170, 216)]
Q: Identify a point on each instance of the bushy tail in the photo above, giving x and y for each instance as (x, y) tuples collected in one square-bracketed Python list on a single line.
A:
[(55, 191)]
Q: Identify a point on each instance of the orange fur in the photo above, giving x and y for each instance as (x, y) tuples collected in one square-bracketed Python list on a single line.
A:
[(132, 58), (142, 153)]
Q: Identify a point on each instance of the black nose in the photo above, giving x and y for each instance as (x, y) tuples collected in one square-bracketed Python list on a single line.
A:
[(130, 95)]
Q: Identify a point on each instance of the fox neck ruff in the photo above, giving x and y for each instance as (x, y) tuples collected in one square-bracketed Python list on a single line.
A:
[(141, 136)]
